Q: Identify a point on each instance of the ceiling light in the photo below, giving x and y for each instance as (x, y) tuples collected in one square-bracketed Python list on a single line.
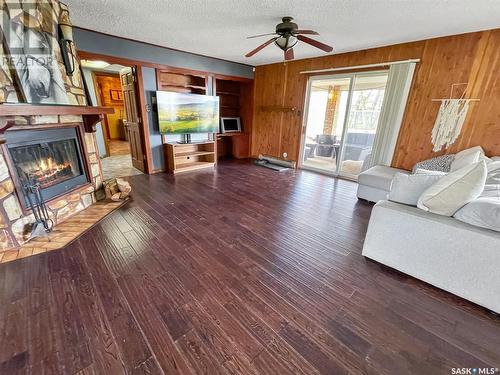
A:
[(285, 42), (94, 64)]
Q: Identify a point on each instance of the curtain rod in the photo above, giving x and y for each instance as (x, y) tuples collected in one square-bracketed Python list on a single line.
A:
[(360, 66)]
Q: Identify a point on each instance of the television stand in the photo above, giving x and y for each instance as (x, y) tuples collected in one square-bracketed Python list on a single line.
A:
[(185, 157)]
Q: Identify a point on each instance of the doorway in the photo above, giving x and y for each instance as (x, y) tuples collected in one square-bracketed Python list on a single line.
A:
[(118, 136), (342, 114)]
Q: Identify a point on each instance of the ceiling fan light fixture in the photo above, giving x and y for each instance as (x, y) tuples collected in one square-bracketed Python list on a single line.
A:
[(285, 42)]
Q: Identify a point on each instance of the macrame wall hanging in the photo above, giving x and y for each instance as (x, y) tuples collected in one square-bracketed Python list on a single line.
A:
[(450, 119)]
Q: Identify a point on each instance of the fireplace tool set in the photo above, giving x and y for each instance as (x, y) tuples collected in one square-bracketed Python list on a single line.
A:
[(43, 224)]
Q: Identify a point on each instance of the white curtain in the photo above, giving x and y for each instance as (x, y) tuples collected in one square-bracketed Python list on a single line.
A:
[(391, 116)]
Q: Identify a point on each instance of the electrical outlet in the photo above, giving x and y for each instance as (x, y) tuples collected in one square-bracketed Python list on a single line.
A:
[(285, 154)]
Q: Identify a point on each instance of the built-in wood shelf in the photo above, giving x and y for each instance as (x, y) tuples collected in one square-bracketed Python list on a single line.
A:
[(90, 115), (235, 101), (181, 81), (190, 156)]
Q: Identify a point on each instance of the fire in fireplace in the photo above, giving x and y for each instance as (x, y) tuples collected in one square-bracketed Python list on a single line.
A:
[(52, 158), (47, 163)]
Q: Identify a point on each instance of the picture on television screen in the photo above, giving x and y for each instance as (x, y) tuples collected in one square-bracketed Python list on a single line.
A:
[(187, 113)]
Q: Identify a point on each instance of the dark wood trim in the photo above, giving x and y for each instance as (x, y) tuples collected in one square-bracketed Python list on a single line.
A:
[(144, 119), (232, 78), (84, 55), (163, 47)]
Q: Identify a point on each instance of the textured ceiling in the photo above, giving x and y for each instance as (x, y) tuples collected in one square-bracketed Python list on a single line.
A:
[(218, 28)]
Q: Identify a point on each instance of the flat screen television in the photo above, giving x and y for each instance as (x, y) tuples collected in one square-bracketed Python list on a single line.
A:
[(180, 113)]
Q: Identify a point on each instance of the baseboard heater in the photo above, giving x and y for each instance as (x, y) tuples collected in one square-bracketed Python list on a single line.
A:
[(274, 163)]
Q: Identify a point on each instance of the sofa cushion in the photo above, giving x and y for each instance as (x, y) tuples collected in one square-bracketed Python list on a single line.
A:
[(379, 177), (455, 190), (482, 212), (407, 188), (492, 186), (493, 173), (439, 163)]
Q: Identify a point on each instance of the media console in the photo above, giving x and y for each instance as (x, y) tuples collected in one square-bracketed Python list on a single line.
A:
[(189, 156)]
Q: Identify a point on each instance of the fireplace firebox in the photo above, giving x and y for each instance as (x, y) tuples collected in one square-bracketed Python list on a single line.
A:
[(51, 157)]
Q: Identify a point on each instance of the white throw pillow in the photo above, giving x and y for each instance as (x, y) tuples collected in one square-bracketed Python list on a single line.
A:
[(462, 160), (407, 189), (482, 212), (455, 190), (495, 158), (468, 151)]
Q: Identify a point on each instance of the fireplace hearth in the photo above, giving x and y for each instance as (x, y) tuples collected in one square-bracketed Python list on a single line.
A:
[(52, 158)]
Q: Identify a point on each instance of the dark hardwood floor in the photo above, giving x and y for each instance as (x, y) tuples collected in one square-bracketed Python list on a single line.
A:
[(241, 271)]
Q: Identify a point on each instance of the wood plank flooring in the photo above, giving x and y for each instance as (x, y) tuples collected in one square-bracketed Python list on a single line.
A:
[(242, 271)]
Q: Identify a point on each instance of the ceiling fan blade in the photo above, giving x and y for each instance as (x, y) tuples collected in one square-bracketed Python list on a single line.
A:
[(258, 36), (263, 45), (315, 43), (309, 32), (289, 54)]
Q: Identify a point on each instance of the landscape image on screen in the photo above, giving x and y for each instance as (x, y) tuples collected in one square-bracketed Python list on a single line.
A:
[(187, 113)]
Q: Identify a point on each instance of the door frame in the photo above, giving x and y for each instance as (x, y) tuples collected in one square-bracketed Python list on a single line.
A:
[(140, 97), (310, 80), (99, 93)]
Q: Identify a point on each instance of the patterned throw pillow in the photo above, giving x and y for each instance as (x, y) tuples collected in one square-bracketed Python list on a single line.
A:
[(440, 163)]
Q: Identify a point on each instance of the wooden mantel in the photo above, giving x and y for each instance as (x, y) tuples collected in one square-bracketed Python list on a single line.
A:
[(91, 115), (45, 110)]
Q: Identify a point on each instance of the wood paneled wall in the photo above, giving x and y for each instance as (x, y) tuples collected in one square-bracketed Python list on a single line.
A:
[(472, 57)]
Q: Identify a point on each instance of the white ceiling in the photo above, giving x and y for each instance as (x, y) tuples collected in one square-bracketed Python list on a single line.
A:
[(219, 28)]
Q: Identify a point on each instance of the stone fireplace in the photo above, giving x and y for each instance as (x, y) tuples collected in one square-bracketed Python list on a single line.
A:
[(47, 130), (57, 151), (52, 157)]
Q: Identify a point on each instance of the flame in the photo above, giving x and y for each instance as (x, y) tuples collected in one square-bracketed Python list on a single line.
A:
[(49, 164)]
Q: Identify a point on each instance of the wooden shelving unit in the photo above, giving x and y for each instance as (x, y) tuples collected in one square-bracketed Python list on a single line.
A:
[(190, 156), (194, 83), (236, 100)]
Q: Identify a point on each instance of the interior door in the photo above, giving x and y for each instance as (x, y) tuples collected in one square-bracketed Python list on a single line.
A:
[(132, 120)]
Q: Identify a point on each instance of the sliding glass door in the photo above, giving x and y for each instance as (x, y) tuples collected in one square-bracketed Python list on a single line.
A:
[(342, 114)]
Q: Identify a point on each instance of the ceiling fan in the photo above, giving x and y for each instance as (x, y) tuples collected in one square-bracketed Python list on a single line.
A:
[(287, 36)]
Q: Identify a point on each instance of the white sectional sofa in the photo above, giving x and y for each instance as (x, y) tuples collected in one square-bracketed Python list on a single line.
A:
[(374, 184), (442, 251)]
